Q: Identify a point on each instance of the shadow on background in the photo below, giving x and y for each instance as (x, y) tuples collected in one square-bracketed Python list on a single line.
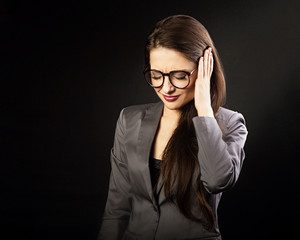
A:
[(68, 68)]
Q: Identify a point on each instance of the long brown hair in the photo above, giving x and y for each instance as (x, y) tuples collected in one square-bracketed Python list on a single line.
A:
[(180, 167)]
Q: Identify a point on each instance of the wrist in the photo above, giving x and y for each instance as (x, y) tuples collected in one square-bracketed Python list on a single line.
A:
[(205, 111)]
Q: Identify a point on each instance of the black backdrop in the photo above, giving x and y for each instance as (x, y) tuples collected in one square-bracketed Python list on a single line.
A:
[(68, 68)]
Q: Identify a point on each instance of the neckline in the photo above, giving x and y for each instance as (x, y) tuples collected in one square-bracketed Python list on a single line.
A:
[(156, 159)]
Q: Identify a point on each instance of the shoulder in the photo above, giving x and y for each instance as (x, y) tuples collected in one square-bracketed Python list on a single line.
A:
[(138, 108), (227, 117), (136, 112)]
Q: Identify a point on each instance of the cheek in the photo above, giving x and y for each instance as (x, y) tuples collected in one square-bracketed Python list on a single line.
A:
[(190, 91), (191, 94), (156, 90)]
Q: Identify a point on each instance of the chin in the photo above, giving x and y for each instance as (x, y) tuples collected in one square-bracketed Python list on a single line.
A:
[(173, 105)]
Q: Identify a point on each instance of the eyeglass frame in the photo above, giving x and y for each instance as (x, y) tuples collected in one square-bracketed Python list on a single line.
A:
[(168, 74)]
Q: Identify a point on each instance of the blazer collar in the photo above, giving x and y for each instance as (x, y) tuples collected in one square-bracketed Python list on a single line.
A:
[(149, 126)]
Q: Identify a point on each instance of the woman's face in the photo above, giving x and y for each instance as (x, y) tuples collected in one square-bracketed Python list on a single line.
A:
[(167, 60)]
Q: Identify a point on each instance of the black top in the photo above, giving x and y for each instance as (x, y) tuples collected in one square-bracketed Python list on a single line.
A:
[(154, 165)]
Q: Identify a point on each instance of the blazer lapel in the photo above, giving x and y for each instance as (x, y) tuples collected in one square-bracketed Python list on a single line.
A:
[(149, 125)]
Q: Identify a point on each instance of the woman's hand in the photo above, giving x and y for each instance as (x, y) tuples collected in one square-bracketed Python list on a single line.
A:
[(202, 85)]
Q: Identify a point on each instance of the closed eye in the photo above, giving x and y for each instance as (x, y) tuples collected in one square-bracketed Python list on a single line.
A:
[(180, 78)]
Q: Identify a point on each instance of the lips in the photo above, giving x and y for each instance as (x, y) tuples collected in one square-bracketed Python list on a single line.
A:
[(170, 98)]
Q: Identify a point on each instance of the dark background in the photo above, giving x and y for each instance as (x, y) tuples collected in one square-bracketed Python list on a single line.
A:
[(68, 68)]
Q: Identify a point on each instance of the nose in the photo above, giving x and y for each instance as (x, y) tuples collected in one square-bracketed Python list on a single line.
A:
[(167, 86)]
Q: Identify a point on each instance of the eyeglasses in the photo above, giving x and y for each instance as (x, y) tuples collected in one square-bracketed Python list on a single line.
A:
[(179, 79)]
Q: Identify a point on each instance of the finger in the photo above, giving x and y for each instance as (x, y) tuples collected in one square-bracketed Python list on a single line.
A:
[(208, 61), (206, 55), (200, 68), (211, 63)]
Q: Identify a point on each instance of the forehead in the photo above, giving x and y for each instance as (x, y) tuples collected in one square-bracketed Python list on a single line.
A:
[(166, 60)]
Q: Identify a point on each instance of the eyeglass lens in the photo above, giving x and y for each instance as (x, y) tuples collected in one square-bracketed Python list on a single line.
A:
[(179, 79)]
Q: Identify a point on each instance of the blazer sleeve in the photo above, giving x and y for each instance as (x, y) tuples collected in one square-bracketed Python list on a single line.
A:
[(117, 209), (220, 155)]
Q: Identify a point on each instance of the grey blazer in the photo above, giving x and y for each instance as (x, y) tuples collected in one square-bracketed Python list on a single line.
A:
[(130, 212)]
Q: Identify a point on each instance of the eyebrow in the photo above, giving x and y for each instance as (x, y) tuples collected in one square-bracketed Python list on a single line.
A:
[(180, 70)]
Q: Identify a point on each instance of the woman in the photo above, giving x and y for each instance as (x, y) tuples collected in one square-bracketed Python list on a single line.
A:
[(171, 160)]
